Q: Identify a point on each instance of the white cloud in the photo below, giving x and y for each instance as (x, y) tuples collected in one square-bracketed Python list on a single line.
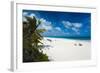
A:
[(55, 32), (58, 28), (25, 13), (67, 24), (42, 20), (31, 15), (72, 26), (74, 29), (45, 24), (77, 25)]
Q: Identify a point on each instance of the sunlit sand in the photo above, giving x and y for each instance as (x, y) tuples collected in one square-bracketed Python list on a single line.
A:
[(67, 49)]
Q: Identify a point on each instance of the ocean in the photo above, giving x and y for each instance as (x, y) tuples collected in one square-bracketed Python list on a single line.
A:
[(75, 38)]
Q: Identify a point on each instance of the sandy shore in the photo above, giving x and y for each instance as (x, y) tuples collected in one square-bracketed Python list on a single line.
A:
[(67, 49)]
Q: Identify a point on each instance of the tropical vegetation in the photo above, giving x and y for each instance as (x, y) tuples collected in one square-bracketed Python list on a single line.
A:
[(32, 45)]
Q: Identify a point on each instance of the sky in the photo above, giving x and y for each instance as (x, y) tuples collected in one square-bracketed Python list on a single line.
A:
[(67, 24)]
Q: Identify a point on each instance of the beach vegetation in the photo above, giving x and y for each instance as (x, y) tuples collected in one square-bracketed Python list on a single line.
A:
[(32, 45)]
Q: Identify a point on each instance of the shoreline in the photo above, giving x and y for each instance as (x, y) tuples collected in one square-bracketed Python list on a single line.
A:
[(74, 38), (67, 39)]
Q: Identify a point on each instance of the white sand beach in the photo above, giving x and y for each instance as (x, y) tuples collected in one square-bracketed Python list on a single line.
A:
[(59, 49)]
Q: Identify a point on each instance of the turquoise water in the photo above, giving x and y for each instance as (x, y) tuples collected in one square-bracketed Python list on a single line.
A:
[(76, 38)]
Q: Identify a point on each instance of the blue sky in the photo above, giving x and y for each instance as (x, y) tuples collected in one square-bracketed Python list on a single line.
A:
[(69, 24)]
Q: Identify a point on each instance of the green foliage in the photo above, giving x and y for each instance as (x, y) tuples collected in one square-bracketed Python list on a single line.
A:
[(32, 51)]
